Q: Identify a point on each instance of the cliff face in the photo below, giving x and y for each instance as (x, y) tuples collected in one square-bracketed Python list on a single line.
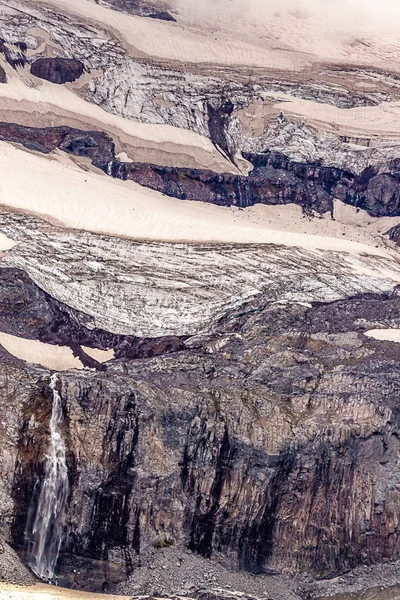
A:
[(240, 399), (243, 414), (273, 441)]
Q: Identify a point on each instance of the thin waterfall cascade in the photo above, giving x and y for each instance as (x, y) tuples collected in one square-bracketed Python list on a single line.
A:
[(45, 534)]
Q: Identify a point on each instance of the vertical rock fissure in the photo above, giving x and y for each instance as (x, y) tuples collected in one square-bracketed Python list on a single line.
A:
[(206, 511), (45, 534)]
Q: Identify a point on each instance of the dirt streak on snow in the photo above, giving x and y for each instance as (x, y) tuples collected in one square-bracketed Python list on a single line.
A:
[(64, 194), (57, 358), (160, 144)]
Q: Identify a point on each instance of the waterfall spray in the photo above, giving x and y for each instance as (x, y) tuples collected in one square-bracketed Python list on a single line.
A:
[(46, 532)]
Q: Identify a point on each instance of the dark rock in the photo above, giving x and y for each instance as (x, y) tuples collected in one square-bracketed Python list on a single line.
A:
[(14, 56), (95, 145), (57, 70), (219, 114), (382, 196), (12, 569), (394, 234), (274, 180), (142, 8), (28, 311), (233, 454), (163, 16)]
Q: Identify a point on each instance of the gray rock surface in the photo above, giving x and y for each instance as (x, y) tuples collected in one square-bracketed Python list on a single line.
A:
[(12, 570)]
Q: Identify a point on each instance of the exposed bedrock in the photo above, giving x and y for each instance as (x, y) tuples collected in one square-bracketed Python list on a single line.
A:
[(275, 179), (27, 311), (142, 8), (273, 442), (394, 234), (57, 70), (219, 114), (12, 569), (14, 55)]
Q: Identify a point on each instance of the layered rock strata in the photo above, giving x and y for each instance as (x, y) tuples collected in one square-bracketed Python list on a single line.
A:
[(229, 445), (246, 416), (274, 179)]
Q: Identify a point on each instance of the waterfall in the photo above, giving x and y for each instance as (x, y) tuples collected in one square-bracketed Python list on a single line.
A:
[(46, 532)]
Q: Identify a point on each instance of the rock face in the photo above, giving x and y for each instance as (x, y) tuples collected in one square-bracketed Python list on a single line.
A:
[(57, 70), (14, 55), (142, 8), (275, 179), (231, 445), (394, 234), (246, 417), (226, 441), (11, 567)]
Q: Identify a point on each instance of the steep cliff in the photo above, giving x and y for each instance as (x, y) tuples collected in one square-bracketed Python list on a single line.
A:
[(237, 450), (251, 441), (227, 398)]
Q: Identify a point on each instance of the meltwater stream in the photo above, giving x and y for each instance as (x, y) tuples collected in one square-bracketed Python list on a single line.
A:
[(46, 531)]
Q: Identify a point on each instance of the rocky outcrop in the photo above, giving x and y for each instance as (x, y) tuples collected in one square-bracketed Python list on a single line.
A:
[(142, 8), (219, 114), (57, 70), (231, 446), (275, 179), (394, 234), (12, 569), (14, 55), (96, 145)]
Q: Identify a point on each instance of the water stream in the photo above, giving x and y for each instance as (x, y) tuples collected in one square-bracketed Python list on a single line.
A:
[(45, 534)]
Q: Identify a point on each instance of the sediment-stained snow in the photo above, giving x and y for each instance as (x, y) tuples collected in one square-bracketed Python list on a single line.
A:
[(101, 356), (38, 103), (56, 358), (67, 195)]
